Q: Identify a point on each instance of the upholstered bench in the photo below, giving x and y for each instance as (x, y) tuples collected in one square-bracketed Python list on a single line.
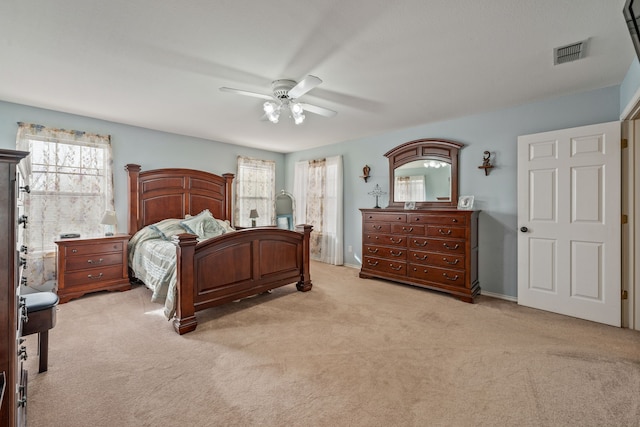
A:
[(41, 315)]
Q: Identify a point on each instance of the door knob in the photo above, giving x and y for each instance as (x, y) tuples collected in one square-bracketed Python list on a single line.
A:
[(524, 229)]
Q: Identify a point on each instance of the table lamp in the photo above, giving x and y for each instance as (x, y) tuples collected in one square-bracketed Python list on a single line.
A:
[(109, 221), (253, 215)]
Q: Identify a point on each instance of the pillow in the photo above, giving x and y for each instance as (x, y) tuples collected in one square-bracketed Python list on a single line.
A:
[(204, 225), (226, 225), (167, 228)]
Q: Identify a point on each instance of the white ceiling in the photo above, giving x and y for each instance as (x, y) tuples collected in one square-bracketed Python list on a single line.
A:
[(386, 65)]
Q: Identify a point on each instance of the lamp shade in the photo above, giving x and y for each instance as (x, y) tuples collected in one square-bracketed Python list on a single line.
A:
[(109, 218), (253, 213)]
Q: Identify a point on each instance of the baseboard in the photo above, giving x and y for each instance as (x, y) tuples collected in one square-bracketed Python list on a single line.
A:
[(352, 266), (499, 296)]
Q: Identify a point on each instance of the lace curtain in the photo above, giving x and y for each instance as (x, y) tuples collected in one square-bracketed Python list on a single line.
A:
[(255, 189), (409, 188), (70, 177), (318, 193)]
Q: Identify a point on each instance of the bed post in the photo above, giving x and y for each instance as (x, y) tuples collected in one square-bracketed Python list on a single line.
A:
[(185, 320), (133, 186), (228, 197), (304, 284)]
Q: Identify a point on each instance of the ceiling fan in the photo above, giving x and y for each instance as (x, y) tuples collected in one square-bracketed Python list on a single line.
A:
[(285, 99)]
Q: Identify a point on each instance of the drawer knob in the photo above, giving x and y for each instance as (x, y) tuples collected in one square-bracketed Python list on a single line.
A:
[(394, 240), (99, 261), (74, 251), (444, 233), (91, 276), (372, 264), (451, 262), (408, 230), (373, 251), (421, 258), (453, 248), (450, 278), (377, 227), (396, 254), (417, 243), (454, 220), (395, 268)]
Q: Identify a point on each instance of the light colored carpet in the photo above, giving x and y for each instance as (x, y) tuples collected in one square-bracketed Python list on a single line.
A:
[(351, 352)]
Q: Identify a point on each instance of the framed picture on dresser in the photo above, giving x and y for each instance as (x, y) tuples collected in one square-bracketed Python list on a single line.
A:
[(465, 203)]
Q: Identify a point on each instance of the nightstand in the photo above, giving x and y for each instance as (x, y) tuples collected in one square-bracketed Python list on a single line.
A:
[(92, 264)]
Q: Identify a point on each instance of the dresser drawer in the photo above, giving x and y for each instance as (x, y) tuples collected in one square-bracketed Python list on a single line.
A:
[(385, 239), (96, 275), (446, 231), (95, 248), (416, 230), (384, 265), (437, 259), (435, 274), (92, 261), (374, 227), (385, 217), (385, 252), (451, 219), (437, 245)]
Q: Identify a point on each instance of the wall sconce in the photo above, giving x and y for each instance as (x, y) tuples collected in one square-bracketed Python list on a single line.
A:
[(253, 215), (486, 163), (109, 221), (365, 172)]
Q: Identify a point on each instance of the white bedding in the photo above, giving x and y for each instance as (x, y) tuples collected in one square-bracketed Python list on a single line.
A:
[(152, 255)]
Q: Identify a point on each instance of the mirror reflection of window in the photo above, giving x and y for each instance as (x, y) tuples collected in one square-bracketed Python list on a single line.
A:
[(409, 188)]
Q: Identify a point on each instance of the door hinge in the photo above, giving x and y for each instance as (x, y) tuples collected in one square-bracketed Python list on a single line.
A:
[(625, 219), (624, 143), (625, 295)]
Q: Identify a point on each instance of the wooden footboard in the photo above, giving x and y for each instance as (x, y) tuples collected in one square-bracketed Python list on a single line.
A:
[(237, 265)]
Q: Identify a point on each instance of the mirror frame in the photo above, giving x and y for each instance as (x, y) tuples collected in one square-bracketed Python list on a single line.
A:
[(422, 149)]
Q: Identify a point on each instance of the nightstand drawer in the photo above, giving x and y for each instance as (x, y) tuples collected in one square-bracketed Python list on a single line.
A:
[(76, 249), (93, 261), (95, 275)]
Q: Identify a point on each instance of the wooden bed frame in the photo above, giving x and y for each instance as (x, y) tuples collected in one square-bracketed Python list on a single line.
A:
[(225, 268)]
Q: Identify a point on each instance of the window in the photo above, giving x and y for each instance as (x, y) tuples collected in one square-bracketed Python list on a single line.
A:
[(255, 190), (70, 178)]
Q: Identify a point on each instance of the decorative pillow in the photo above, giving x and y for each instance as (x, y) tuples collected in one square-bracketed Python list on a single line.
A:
[(204, 225), (226, 225), (167, 228)]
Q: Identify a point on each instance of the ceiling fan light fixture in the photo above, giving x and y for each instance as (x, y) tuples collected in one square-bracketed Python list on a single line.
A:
[(297, 113), (272, 110)]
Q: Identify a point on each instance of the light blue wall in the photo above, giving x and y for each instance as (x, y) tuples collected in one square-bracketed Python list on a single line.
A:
[(495, 194), (630, 84), (130, 144)]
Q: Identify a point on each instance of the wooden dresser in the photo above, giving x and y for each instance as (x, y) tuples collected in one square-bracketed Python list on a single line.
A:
[(92, 264), (12, 309), (430, 248)]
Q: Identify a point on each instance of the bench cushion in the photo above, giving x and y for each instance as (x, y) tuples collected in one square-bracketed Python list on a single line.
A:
[(40, 301)]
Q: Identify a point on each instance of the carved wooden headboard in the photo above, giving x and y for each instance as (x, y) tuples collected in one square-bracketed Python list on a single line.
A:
[(173, 193)]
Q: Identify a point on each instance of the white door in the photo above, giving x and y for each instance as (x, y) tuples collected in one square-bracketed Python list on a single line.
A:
[(569, 221)]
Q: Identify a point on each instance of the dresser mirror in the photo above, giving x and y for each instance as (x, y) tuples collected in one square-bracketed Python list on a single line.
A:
[(424, 171), (285, 210)]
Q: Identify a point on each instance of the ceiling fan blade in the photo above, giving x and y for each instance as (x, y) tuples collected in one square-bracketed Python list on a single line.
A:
[(247, 93), (318, 110), (304, 86)]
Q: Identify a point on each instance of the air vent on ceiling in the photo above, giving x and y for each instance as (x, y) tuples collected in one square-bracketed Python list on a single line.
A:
[(569, 53)]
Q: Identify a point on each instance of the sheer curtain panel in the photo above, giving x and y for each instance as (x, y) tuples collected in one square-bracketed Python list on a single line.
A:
[(318, 192), (69, 174)]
